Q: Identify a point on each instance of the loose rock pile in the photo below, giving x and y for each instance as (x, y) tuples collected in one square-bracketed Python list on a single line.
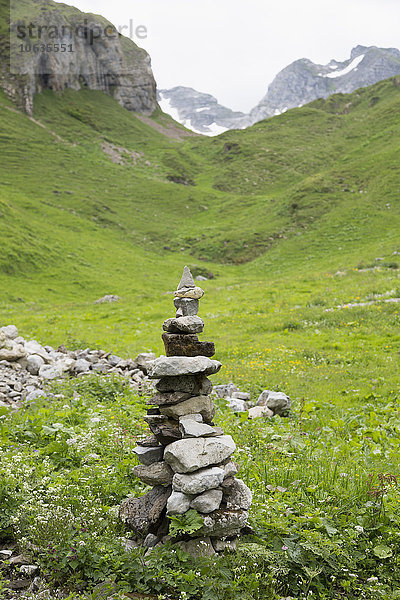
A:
[(25, 367), (269, 403), (187, 458)]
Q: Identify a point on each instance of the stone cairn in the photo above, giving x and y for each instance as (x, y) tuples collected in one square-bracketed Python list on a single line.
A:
[(187, 458)]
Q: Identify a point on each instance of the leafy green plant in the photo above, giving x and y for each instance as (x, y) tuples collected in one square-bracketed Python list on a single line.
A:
[(189, 522)]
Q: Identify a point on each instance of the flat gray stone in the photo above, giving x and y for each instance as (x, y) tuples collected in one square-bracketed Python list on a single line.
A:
[(190, 428), (192, 417), (178, 503), (198, 482), (168, 398), (241, 396), (166, 431), (207, 502), (173, 366), (184, 325), (158, 473), (203, 405), (186, 456), (195, 293), (148, 456)]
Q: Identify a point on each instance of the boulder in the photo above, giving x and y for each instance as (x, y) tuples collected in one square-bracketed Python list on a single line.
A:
[(114, 360), (178, 503), (186, 345), (197, 404), (207, 502), (198, 482), (148, 442), (10, 331), (223, 523), (238, 496), (82, 366), (12, 352), (33, 347), (34, 363), (142, 514), (237, 405), (143, 360), (278, 402), (50, 371), (173, 366), (260, 411), (188, 455), (184, 325), (158, 473)]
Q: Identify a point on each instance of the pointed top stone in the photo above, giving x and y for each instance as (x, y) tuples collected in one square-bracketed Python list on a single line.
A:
[(187, 280)]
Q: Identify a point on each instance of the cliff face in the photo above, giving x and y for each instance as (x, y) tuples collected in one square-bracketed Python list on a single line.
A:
[(95, 56)]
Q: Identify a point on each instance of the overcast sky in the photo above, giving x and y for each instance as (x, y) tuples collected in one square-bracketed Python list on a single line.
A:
[(234, 48)]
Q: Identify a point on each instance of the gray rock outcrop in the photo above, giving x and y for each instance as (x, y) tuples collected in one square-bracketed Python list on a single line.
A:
[(100, 58)]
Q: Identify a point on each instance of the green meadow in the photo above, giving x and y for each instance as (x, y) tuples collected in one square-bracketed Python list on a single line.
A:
[(295, 222)]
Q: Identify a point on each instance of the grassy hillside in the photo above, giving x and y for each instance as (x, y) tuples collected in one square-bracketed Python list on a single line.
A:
[(298, 220), (89, 206)]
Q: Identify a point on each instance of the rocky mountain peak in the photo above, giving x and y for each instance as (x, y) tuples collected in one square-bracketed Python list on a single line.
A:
[(297, 84)]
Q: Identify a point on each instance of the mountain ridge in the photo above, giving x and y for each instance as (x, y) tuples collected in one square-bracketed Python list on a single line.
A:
[(297, 84)]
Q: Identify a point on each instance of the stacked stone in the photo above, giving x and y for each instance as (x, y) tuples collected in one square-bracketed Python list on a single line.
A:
[(187, 458)]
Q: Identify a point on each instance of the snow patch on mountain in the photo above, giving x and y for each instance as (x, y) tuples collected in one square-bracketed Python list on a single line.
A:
[(353, 65)]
